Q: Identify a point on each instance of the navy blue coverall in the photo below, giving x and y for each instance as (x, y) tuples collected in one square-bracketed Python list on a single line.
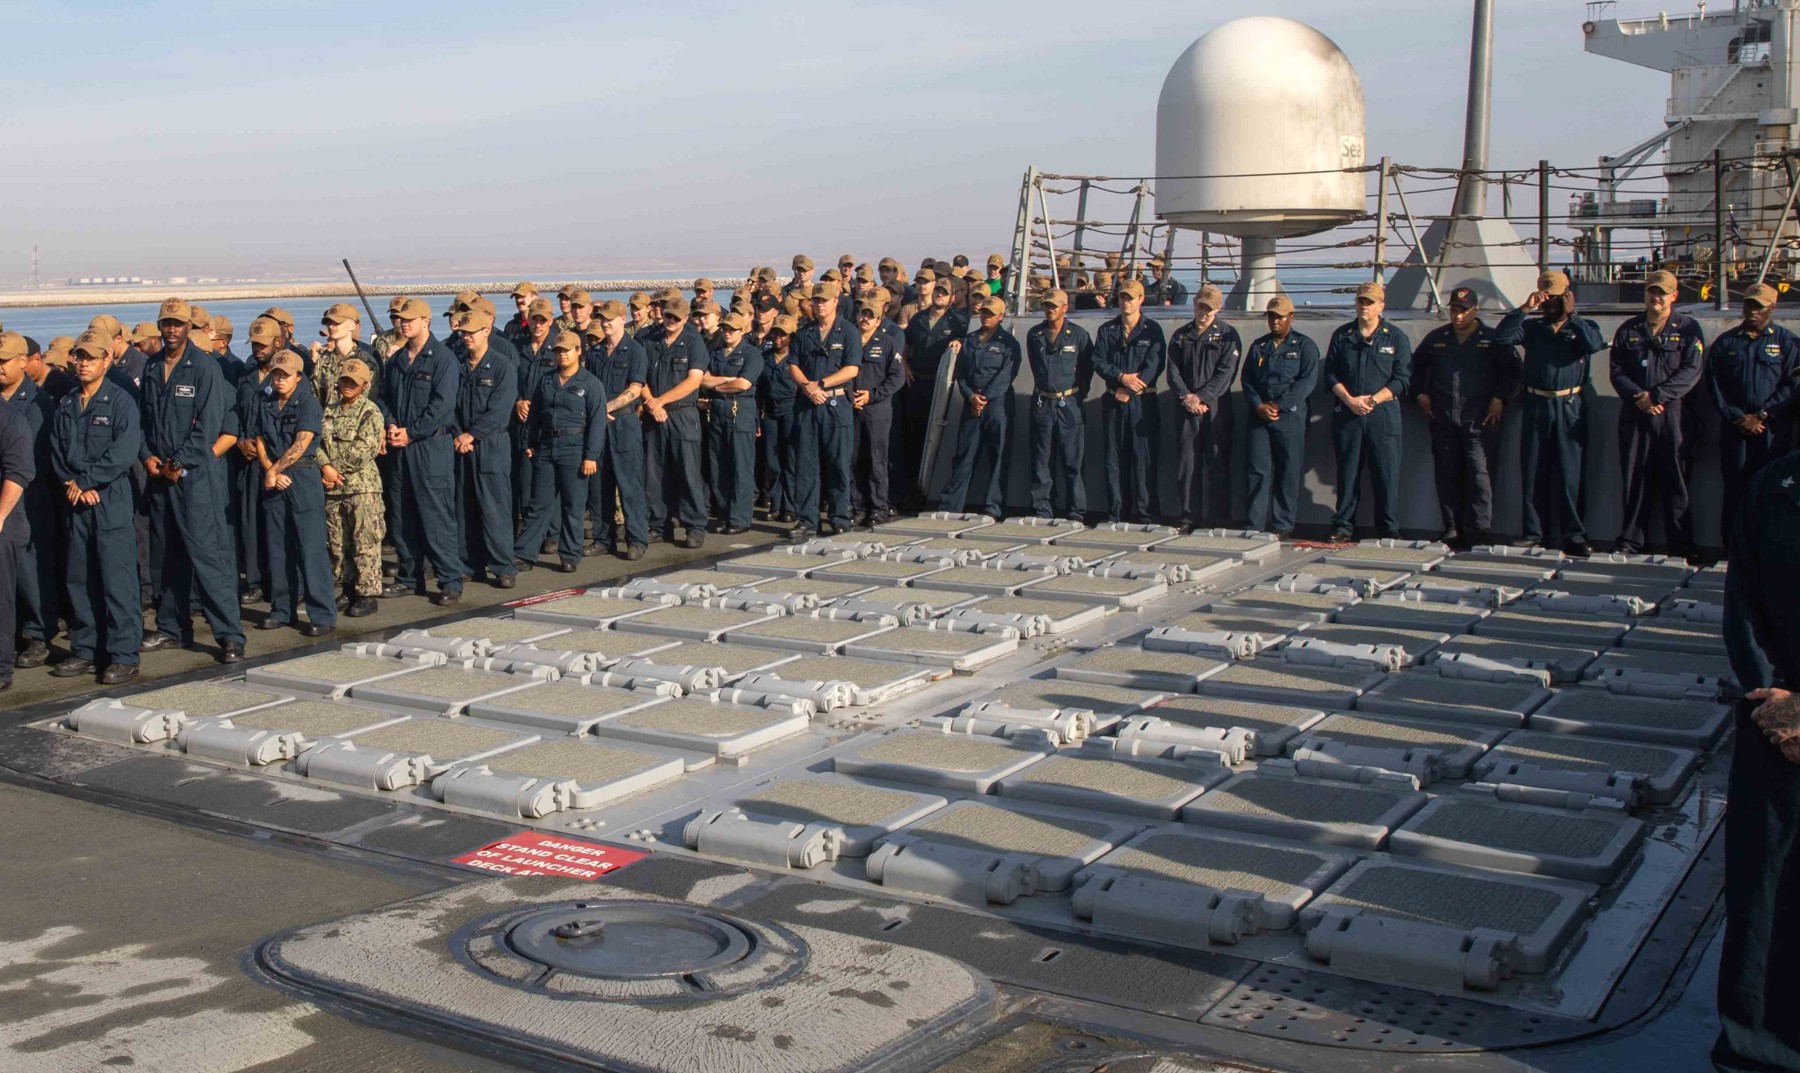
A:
[(1667, 365), (776, 396), (94, 443), (37, 568), (1203, 364), (675, 487), (882, 374), (1553, 417), (985, 367), (1062, 368), (293, 518), (1752, 375), (245, 476), (1131, 428), (1461, 379), (185, 410), (535, 363), (1759, 970), (18, 466), (1283, 372), (419, 394), (486, 394), (1364, 366), (567, 428), (622, 466), (731, 433), (823, 431)]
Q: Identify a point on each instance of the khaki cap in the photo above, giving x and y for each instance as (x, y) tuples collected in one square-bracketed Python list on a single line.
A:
[(594, 332), (486, 305), (882, 295), (1762, 294), (766, 275), (868, 306), (463, 300), (842, 257), (991, 304), (1132, 287), (199, 317), (1280, 305), (396, 303), (171, 309), (358, 370), (830, 275), (581, 299), (288, 362), (525, 290), (565, 342), (700, 307), (58, 352), (803, 262), (638, 300), (92, 344), (1054, 298), (473, 320), (12, 345), (704, 284), (281, 315), (995, 260), (142, 332), (827, 291), (340, 312), (1371, 290), (414, 309), (733, 322), (1553, 283), (1210, 296), (265, 330), (791, 306), (676, 305), (611, 309), (109, 325), (888, 262), (540, 308), (221, 324), (1662, 281), (740, 304), (786, 324), (664, 295), (865, 273), (925, 275), (567, 290)]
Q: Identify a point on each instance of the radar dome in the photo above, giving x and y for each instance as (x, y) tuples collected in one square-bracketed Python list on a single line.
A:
[(1274, 103)]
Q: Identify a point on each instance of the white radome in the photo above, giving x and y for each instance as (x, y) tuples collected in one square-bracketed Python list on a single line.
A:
[(1264, 99)]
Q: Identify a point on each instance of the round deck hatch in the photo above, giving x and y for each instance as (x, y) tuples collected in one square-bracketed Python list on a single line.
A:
[(627, 941)]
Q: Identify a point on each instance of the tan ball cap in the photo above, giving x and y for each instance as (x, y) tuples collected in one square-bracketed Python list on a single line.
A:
[(638, 300), (1372, 291), (1057, 298), (340, 312), (357, 370), (171, 309), (92, 344), (397, 303), (540, 309), (611, 309), (473, 320), (1210, 296), (1762, 294), (414, 309), (566, 342), (12, 345), (265, 330), (142, 332), (221, 324), (1553, 283), (992, 305), (1131, 287), (525, 290), (676, 305), (283, 316), (785, 324), (288, 362), (803, 263), (734, 322), (109, 326), (1280, 305), (1662, 281)]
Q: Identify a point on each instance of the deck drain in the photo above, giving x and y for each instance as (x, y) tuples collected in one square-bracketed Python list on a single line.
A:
[(637, 950)]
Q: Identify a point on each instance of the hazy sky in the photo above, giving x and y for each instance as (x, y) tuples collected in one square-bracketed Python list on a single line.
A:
[(216, 136)]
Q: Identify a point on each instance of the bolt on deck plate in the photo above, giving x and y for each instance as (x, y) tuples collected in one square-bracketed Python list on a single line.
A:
[(704, 727), (1598, 713), (1426, 695), (1589, 846), (567, 706), (1274, 724), (1310, 810), (1149, 788), (934, 758)]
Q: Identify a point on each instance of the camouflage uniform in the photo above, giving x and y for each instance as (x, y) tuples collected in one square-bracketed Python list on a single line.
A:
[(328, 366), (351, 440), (385, 344)]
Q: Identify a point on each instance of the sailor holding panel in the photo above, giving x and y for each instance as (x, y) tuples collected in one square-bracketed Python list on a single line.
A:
[(1367, 367), (1751, 373), (1062, 364)]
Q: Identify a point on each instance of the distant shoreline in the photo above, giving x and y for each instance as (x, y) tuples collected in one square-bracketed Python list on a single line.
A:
[(82, 296)]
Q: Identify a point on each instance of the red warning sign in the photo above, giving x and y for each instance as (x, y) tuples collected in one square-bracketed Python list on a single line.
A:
[(534, 853)]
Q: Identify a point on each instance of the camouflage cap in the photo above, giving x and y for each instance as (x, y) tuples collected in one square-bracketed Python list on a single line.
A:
[(171, 309), (1553, 283), (1210, 296), (265, 330), (357, 370), (638, 300), (339, 312), (221, 325), (287, 361), (1762, 294), (1280, 305), (473, 320), (676, 305), (109, 326), (414, 309), (611, 309), (12, 345), (525, 290), (92, 344), (566, 342), (1662, 281), (142, 332), (540, 309), (733, 322), (786, 324), (281, 315)]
